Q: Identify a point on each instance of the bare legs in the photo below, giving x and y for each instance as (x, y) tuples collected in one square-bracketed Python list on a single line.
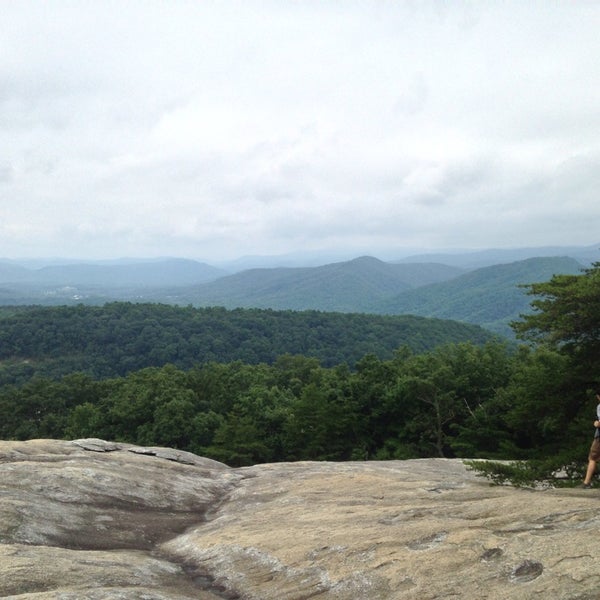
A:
[(590, 472)]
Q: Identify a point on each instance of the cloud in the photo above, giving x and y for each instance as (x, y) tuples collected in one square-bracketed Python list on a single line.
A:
[(213, 129)]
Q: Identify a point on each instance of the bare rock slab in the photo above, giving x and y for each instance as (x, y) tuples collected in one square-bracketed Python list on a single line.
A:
[(82, 519), (92, 519), (418, 530)]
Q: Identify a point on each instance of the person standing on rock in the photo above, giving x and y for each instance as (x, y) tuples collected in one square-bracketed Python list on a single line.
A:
[(594, 455)]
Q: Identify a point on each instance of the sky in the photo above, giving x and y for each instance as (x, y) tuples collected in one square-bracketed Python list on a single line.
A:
[(219, 129)]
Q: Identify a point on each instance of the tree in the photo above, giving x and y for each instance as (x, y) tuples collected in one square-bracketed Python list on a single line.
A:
[(173, 424), (239, 441), (322, 424), (138, 400), (548, 400), (379, 413), (566, 317), (565, 321), (85, 420)]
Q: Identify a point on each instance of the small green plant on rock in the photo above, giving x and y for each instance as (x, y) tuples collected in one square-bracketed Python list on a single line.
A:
[(528, 473)]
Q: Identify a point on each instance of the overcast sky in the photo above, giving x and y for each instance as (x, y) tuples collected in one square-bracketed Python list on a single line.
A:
[(219, 129)]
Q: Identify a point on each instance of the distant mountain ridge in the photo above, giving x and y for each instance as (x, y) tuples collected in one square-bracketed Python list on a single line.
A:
[(342, 287), (489, 296), (477, 259), (463, 258), (171, 271)]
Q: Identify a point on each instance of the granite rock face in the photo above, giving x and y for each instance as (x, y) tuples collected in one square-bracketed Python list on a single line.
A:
[(83, 519), (90, 519)]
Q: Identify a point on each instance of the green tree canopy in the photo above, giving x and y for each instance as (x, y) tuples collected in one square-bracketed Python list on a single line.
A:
[(566, 317)]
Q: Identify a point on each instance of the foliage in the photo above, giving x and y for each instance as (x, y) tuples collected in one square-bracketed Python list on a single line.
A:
[(566, 317), (491, 296), (294, 409), (548, 407), (119, 338), (517, 473), (354, 388), (555, 472), (410, 406)]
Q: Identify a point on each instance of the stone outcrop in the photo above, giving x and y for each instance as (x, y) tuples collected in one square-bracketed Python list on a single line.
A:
[(91, 519), (85, 519)]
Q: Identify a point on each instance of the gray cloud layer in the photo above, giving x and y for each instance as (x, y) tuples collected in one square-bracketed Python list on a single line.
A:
[(217, 129)]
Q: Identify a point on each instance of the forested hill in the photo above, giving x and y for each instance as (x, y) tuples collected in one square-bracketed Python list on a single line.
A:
[(118, 338), (491, 296), (352, 286)]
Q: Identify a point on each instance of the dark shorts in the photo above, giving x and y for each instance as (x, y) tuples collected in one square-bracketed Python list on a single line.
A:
[(595, 450)]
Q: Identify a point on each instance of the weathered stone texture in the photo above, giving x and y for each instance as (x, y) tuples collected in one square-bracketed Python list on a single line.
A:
[(92, 519), (415, 530), (84, 518)]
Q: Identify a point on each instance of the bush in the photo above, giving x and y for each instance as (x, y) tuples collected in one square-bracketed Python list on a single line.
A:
[(530, 473)]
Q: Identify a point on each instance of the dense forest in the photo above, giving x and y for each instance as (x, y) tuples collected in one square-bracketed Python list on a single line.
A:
[(121, 337), (460, 398)]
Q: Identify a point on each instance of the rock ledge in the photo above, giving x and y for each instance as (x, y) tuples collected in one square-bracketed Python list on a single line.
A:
[(92, 519)]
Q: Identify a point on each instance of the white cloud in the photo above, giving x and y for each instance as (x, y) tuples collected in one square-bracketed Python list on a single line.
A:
[(224, 128)]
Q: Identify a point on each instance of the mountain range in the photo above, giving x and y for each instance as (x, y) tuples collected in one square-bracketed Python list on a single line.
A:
[(491, 296), (446, 286), (150, 273), (352, 286)]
